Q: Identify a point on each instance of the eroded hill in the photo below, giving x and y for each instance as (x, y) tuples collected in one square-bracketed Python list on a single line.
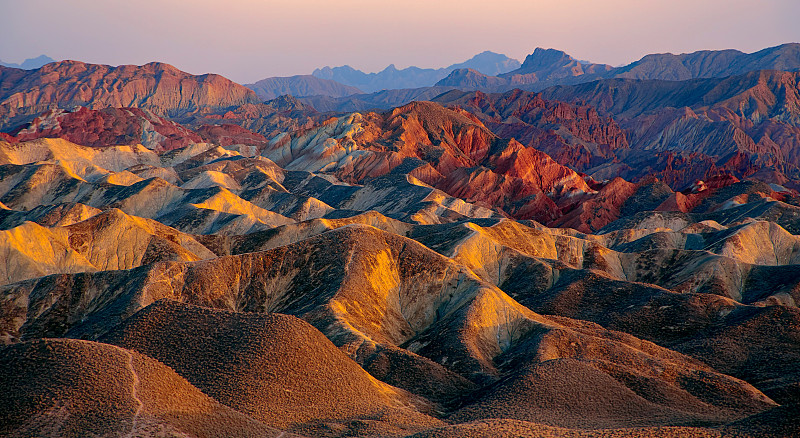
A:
[(410, 310)]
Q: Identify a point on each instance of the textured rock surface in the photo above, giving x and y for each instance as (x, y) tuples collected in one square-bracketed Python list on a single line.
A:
[(684, 131), (158, 87), (445, 148), (575, 136), (377, 299)]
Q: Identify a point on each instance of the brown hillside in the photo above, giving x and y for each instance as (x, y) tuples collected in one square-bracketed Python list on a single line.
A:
[(276, 368), (69, 388)]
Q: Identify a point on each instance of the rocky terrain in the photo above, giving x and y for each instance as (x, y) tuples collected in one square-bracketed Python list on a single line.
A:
[(301, 86), (108, 126), (744, 126), (574, 135), (479, 265), (444, 312)]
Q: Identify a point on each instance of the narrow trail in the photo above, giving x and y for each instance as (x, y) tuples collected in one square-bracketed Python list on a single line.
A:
[(138, 412)]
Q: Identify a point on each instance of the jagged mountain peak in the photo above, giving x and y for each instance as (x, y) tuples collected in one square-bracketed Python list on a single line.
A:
[(544, 58), (30, 63), (287, 102)]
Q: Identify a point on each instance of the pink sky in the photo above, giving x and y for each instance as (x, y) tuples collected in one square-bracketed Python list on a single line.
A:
[(247, 40)]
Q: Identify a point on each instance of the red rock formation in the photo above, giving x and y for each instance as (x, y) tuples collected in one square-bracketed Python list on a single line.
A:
[(267, 119), (575, 136), (227, 134), (591, 212), (159, 87), (676, 202), (689, 130), (109, 127)]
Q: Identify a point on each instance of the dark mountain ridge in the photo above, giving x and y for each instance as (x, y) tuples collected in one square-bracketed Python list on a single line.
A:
[(488, 63), (548, 67)]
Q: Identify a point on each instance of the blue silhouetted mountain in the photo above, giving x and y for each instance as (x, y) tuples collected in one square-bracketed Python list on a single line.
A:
[(488, 63), (31, 63)]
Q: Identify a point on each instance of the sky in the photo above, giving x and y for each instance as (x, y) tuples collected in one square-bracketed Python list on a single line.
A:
[(248, 40)]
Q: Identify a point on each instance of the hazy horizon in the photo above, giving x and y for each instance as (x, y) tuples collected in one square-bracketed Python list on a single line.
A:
[(248, 40)]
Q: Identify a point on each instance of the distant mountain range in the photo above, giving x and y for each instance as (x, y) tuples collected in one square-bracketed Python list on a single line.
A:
[(547, 67), (543, 68), (338, 82), (31, 63), (488, 63)]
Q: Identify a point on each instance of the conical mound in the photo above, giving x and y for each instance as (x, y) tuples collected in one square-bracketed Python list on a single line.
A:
[(277, 368)]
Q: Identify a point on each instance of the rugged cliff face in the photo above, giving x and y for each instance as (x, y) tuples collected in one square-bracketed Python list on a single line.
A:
[(158, 87)]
